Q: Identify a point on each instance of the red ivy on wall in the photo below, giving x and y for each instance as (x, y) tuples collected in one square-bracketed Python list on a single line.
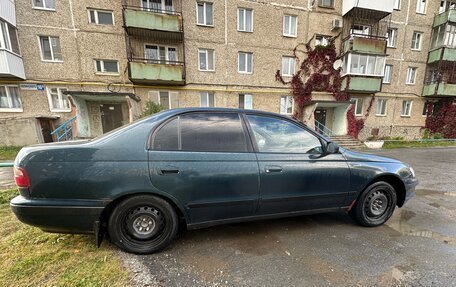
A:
[(443, 119), (356, 125)]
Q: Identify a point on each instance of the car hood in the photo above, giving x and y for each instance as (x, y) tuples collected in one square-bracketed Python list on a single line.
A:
[(361, 156)]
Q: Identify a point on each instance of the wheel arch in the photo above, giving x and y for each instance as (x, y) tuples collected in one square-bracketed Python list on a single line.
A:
[(395, 181)]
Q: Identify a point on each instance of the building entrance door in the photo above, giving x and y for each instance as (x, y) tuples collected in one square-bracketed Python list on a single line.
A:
[(320, 116), (111, 116)]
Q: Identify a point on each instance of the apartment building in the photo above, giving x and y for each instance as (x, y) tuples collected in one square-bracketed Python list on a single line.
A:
[(96, 63)]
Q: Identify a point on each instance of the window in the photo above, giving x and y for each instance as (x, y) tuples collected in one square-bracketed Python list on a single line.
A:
[(168, 100), (44, 4), (290, 25), (167, 137), (360, 30), (212, 132), (58, 102), (397, 4), (206, 60), (406, 108), (358, 107), (50, 49), (326, 3), (356, 64), (444, 35), (245, 20), (245, 63), (161, 54), (446, 5), (280, 136), (421, 6), (428, 108), (286, 105), (321, 40), (391, 37), (381, 107), (288, 66), (388, 73), (245, 101), (8, 37), (416, 40), (10, 100), (204, 15), (411, 75), (107, 66), (157, 5), (207, 99), (101, 17)]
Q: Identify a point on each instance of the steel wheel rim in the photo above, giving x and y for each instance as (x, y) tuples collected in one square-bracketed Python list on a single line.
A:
[(376, 204), (144, 223)]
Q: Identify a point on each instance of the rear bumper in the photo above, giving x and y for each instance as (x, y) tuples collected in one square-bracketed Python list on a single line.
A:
[(63, 216), (410, 186)]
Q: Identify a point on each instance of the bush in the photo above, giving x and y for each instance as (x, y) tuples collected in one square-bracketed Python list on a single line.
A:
[(151, 108)]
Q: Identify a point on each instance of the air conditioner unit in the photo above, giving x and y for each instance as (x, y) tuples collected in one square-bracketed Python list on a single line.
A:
[(336, 24)]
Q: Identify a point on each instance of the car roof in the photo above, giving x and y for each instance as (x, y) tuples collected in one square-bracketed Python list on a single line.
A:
[(185, 110)]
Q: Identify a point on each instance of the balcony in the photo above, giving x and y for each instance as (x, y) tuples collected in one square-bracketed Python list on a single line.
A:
[(153, 23), (144, 71), (8, 11), (441, 89), (442, 54), (442, 18), (11, 65), (364, 44), (362, 84), (380, 8)]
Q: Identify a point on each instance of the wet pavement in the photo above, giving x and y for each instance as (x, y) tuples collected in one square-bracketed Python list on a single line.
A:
[(417, 246)]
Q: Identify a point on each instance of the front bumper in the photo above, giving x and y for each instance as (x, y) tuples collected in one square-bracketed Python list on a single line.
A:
[(63, 216), (410, 185)]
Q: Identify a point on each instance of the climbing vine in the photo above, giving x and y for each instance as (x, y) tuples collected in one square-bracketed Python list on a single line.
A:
[(442, 118), (356, 125)]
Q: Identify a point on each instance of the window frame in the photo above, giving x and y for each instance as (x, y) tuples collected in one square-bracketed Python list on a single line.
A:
[(409, 114), (162, 7), (384, 106), (60, 98), (8, 97), (415, 69), (398, 2), (246, 65), (324, 38), (347, 70), (102, 67), (204, 24), (420, 42), (44, 7), (52, 50), (95, 11), (207, 94), (8, 46), (251, 101), (170, 101), (320, 4), (286, 106), (205, 50), (245, 21), (394, 38), (291, 66), (423, 12), (390, 74), (167, 47), (296, 26), (356, 106)]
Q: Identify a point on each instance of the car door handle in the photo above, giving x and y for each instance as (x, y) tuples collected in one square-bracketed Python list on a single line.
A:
[(170, 171), (272, 168)]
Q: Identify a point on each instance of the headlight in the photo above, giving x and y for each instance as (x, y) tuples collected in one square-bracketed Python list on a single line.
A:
[(412, 171)]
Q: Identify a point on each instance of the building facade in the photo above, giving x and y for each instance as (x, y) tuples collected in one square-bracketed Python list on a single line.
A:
[(97, 63)]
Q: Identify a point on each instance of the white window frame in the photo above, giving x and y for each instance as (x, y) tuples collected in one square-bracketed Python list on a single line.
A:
[(397, 5), (348, 62), (296, 26), (409, 111), (244, 20), (95, 11), (102, 67), (61, 99), (44, 7), (249, 96), (326, 6), (246, 65), (356, 106), (419, 4), (10, 102), (171, 94), (207, 96), (8, 46), (420, 36), (162, 7), (387, 81), (283, 109), (324, 41), (384, 105), (167, 60), (291, 65), (392, 43), (52, 51), (206, 51), (204, 22), (409, 72)]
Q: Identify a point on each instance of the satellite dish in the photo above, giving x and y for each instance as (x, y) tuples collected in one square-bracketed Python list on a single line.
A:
[(337, 64)]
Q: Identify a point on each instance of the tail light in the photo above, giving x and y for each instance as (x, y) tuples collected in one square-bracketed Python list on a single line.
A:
[(21, 177)]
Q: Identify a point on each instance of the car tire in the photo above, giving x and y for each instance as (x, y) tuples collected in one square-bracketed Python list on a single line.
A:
[(143, 224), (375, 205)]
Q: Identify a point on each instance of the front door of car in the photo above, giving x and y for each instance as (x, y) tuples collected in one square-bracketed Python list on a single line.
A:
[(206, 161), (294, 173)]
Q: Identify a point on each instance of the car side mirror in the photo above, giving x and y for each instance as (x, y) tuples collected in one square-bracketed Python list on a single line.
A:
[(332, 147)]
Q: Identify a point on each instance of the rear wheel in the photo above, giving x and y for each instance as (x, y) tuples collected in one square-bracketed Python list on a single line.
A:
[(375, 205), (143, 224)]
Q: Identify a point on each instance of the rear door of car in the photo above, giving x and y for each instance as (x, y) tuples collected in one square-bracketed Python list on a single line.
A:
[(206, 161), (295, 175)]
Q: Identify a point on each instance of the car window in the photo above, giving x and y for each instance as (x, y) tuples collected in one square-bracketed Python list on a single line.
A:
[(167, 137), (216, 132), (281, 136)]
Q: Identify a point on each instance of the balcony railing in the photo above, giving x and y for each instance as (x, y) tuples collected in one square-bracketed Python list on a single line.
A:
[(362, 84), (442, 89), (11, 65), (156, 71), (152, 19), (444, 17), (361, 43)]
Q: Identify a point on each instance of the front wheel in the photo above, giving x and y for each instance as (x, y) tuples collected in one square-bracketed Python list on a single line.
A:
[(143, 224), (375, 205)]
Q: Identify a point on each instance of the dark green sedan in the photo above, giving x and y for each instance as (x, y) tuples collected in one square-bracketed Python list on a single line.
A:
[(200, 167)]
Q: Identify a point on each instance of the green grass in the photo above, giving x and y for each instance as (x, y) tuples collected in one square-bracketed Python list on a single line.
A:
[(8, 152), (31, 257), (409, 144)]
